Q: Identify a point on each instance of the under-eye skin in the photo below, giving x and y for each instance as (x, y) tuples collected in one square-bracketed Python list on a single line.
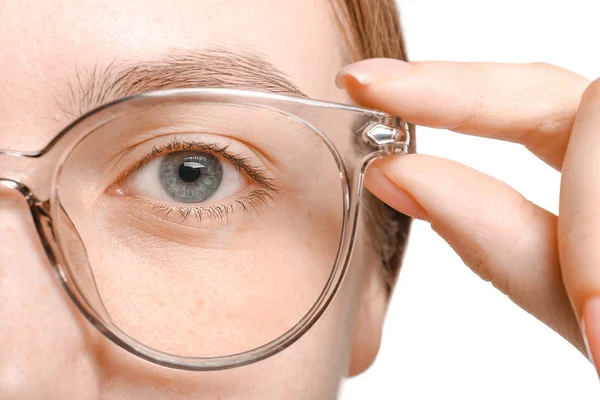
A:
[(196, 179)]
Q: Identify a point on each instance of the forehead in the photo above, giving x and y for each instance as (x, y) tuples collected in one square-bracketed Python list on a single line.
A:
[(47, 47)]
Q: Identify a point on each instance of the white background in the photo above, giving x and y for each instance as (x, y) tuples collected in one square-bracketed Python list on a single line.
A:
[(450, 335)]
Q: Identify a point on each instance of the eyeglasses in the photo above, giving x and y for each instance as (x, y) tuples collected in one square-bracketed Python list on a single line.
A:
[(203, 229)]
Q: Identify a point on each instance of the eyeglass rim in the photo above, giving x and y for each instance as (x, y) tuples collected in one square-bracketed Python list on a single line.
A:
[(347, 235), (241, 93)]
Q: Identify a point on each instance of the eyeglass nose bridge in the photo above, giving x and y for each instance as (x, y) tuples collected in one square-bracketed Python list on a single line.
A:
[(25, 173), (40, 211), (16, 172), (11, 184)]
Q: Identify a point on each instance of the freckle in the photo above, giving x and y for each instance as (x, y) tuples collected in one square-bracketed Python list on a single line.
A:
[(309, 242), (199, 303)]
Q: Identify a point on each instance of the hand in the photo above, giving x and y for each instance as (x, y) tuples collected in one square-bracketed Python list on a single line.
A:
[(548, 265)]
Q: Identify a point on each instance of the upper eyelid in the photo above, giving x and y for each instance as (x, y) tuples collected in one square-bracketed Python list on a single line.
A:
[(171, 147), (257, 175)]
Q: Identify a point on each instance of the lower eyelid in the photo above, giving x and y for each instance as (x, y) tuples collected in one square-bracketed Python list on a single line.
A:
[(232, 212)]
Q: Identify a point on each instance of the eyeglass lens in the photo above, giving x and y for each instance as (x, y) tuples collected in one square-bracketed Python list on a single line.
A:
[(207, 229)]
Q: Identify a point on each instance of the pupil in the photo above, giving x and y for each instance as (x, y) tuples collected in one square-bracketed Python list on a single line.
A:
[(189, 173)]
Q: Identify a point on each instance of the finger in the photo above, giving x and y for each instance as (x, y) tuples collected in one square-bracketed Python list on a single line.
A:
[(579, 222), (500, 235), (532, 104)]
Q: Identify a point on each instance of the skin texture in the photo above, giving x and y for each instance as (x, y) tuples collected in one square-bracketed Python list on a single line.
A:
[(545, 263), (48, 350)]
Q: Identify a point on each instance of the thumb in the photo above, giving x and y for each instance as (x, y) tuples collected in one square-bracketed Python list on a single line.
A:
[(498, 233)]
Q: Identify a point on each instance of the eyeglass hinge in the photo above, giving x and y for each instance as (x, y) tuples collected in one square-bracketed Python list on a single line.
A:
[(392, 137)]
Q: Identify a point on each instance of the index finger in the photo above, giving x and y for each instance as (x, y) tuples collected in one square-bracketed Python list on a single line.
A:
[(532, 104)]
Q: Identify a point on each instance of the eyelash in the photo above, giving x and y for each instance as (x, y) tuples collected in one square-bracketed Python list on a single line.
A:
[(264, 193)]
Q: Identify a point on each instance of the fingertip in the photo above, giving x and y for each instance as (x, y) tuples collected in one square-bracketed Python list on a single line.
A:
[(393, 194), (390, 85), (345, 80), (592, 91), (360, 77), (374, 70)]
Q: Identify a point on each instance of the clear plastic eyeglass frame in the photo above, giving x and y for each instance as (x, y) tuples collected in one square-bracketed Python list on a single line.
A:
[(34, 175)]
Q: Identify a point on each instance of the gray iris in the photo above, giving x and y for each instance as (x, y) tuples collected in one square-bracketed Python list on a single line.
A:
[(190, 176)]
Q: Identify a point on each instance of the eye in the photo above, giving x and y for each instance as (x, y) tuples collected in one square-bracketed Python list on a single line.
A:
[(186, 177)]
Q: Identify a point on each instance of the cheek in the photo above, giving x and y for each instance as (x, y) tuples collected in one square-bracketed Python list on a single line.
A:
[(310, 369), (213, 295)]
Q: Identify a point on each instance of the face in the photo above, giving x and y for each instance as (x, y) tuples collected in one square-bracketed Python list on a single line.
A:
[(50, 53)]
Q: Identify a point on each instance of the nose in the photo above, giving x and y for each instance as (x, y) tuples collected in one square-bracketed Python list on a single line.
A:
[(45, 345)]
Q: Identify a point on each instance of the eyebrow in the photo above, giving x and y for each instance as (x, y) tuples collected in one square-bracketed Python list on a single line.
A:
[(211, 67)]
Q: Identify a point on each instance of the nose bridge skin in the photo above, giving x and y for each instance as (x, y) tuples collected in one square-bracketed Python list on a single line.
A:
[(44, 346)]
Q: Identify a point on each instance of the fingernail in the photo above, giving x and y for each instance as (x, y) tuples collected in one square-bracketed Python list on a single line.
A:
[(590, 329), (395, 196), (374, 70)]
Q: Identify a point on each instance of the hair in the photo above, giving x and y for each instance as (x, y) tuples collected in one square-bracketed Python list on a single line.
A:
[(371, 29)]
